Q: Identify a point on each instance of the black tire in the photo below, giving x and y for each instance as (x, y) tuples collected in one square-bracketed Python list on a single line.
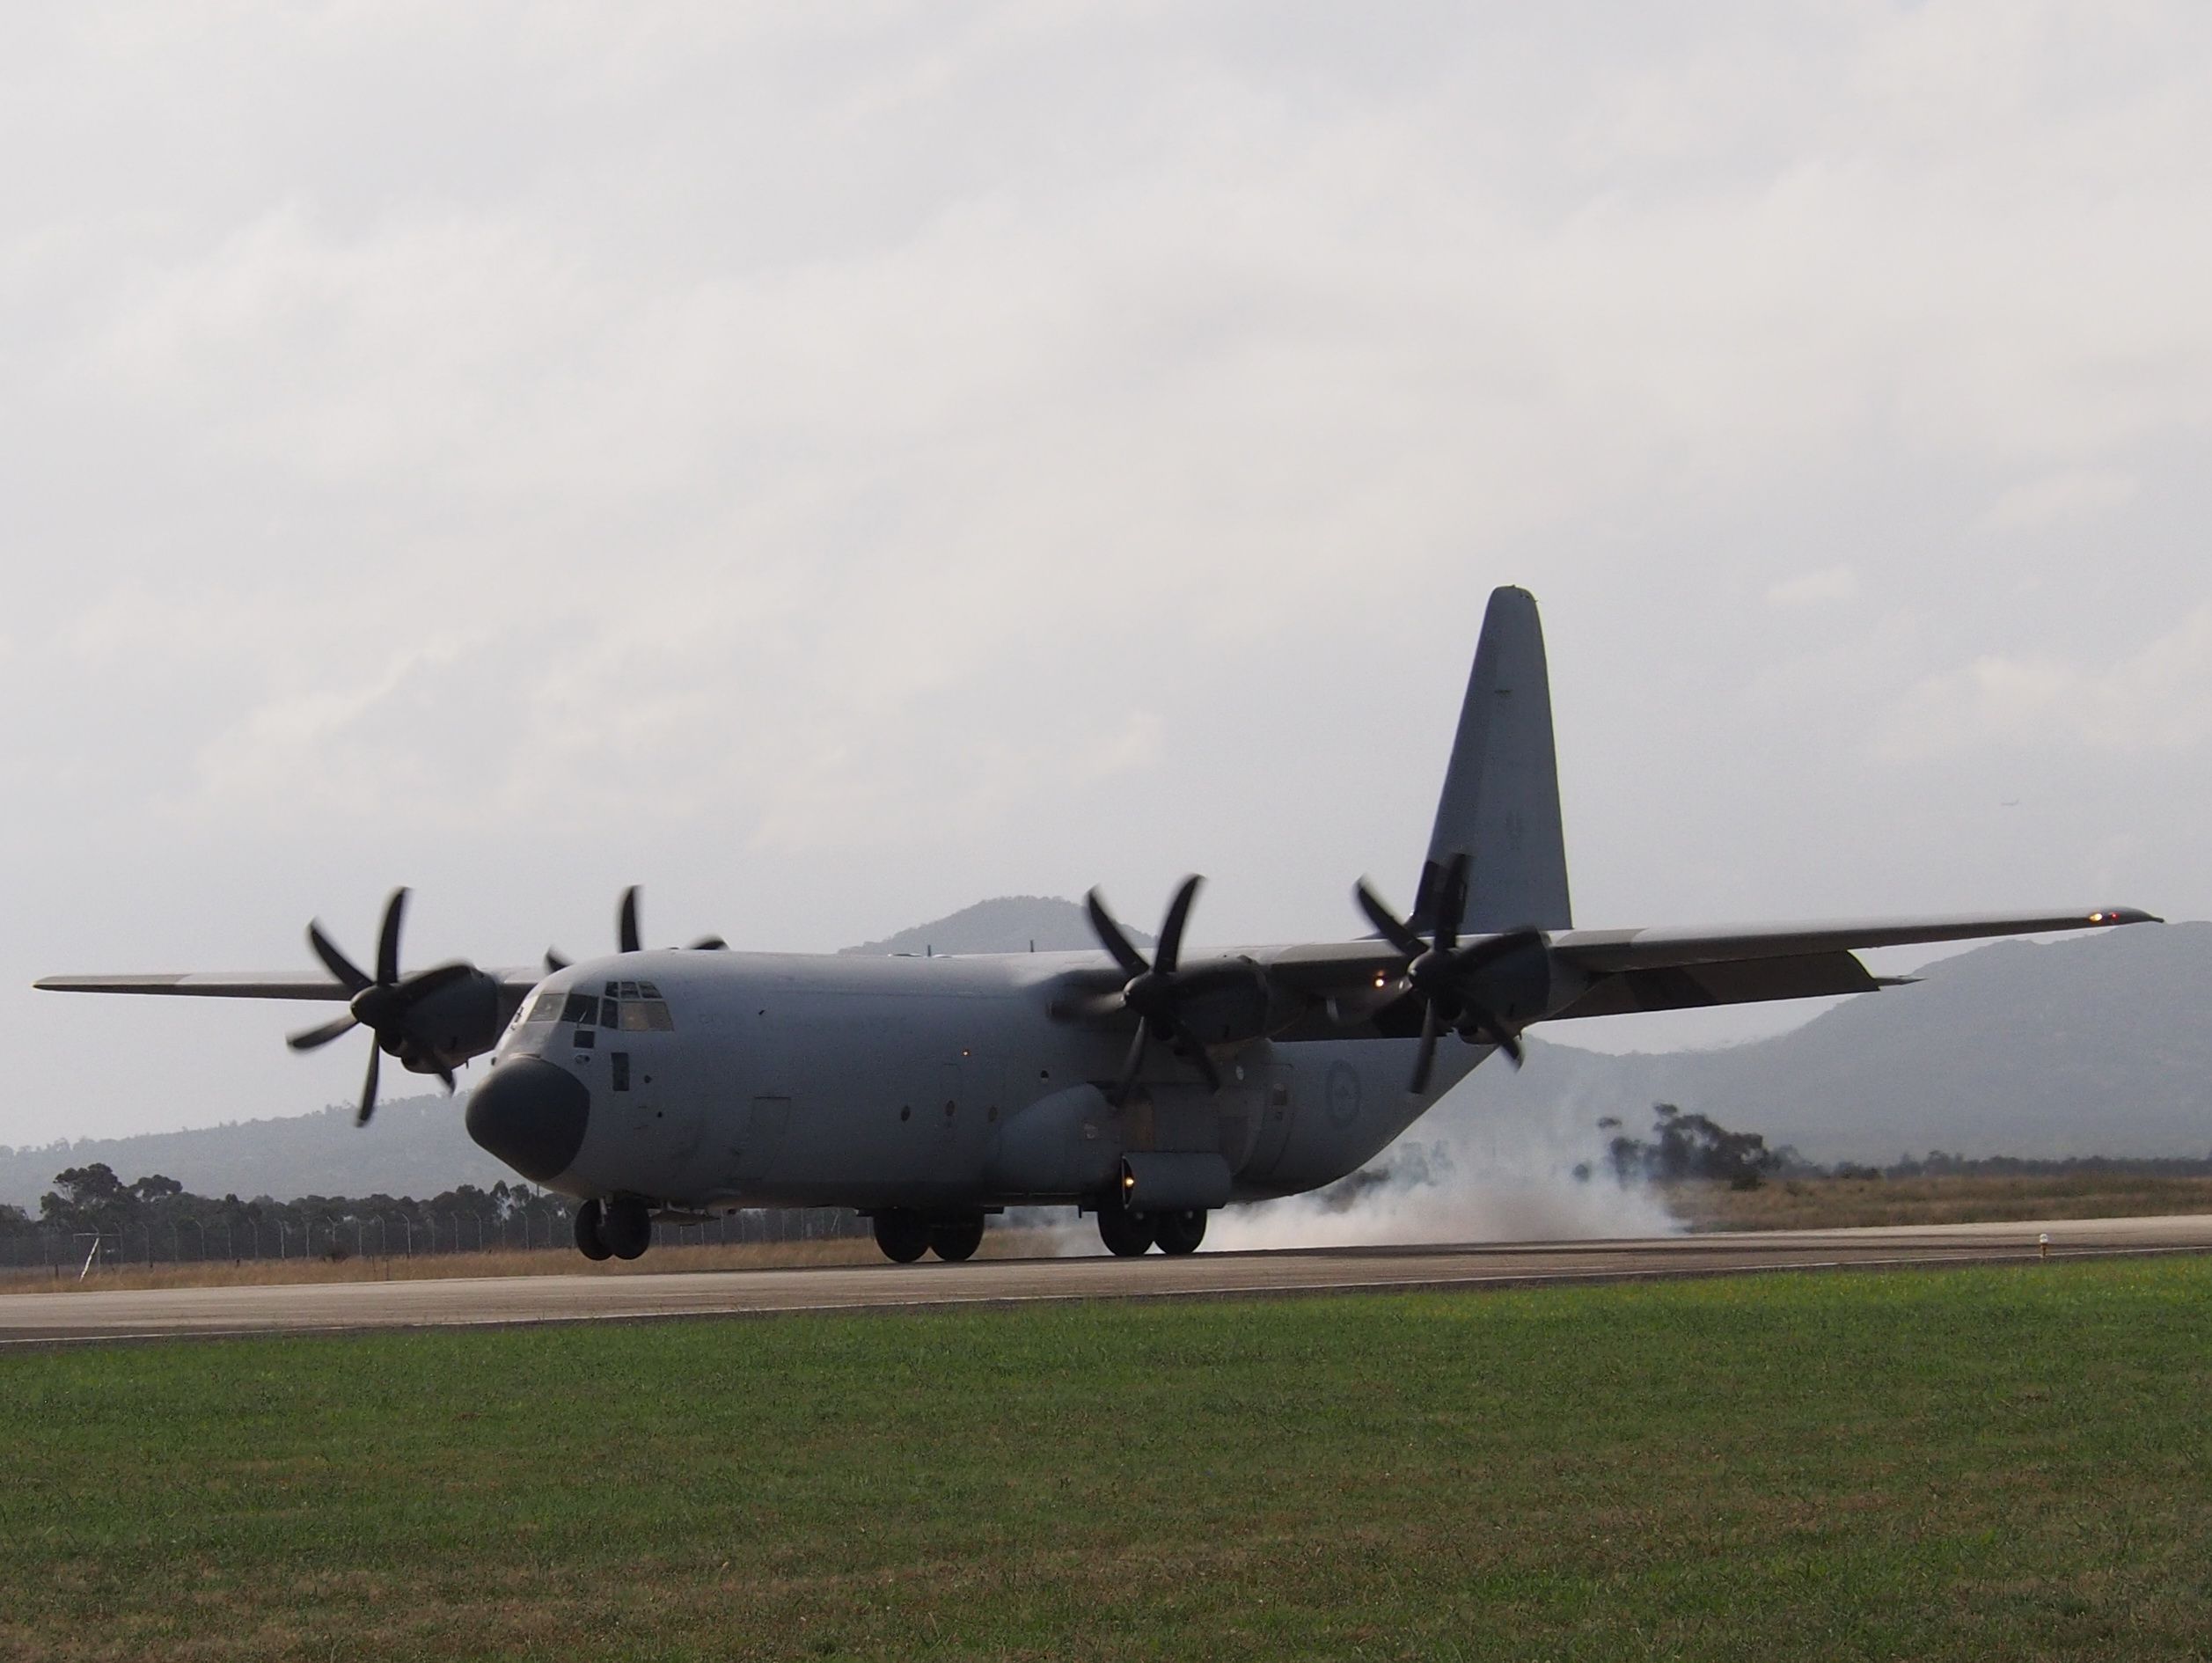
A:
[(903, 1236), (626, 1228), (953, 1239), (590, 1242), (1126, 1235), (1179, 1232)]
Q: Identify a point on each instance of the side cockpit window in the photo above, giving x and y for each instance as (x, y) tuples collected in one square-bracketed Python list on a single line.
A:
[(545, 1007), (642, 1008)]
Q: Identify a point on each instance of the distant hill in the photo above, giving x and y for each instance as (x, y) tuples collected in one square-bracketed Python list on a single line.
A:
[(415, 1146), (1010, 924), (2097, 1044)]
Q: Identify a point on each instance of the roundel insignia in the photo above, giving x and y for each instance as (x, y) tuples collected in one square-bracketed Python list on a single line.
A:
[(1342, 1095)]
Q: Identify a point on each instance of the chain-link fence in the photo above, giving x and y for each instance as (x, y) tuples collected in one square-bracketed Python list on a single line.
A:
[(62, 1255)]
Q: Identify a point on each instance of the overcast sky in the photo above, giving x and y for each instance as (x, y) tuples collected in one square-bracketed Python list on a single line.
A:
[(831, 463)]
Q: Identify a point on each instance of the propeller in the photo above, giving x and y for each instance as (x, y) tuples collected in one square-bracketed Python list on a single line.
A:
[(1154, 991), (627, 938), (381, 1003), (1445, 975)]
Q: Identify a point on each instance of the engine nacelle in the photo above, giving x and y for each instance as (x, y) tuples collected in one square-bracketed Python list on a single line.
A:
[(449, 1025), (1523, 987)]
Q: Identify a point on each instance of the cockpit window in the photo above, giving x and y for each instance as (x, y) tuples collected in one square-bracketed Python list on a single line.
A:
[(545, 1007), (581, 1007), (646, 1015)]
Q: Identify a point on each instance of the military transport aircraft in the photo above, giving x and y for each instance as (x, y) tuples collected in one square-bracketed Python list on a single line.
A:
[(928, 1093)]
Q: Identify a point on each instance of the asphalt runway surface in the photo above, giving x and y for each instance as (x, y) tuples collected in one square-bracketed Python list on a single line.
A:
[(70, 1314)]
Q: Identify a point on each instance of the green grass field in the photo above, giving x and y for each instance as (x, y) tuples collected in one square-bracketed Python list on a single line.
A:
[(1967, 1463)]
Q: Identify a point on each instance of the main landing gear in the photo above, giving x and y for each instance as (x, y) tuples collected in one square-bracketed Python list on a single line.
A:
[(621, 1229), (904, 1236), (1128, 1235)]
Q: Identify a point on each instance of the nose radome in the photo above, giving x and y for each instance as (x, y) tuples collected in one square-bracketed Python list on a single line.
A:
[(532, 1115)]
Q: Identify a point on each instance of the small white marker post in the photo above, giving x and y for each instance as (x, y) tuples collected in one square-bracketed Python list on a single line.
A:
[(2043, 1245)]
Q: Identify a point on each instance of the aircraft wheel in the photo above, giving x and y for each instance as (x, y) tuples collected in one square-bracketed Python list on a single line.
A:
[(1180, 1231), (1126, 1235), (953, 1240), (590, 1242), (626, 1226), (903, 1236)]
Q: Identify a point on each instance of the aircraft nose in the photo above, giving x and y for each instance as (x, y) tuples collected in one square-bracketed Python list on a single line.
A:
[(532, 1115)]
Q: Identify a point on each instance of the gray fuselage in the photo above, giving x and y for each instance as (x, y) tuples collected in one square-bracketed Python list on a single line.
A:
[(928, 1083)]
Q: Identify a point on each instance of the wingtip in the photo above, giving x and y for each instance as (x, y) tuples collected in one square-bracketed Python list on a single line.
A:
[(2125, 915)]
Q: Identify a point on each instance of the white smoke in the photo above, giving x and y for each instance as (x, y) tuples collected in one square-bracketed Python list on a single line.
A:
[(1501, 1157), (1489, 1163)]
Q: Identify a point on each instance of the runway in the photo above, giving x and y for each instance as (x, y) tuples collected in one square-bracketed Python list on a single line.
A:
[(74, 1314)]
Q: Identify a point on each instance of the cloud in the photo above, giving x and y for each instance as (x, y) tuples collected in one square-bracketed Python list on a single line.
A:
[(1815, 589), (2157, 699), (2074, 493)]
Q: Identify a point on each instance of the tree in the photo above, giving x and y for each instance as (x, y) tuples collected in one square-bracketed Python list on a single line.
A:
[(1692, 1146), (90, 1198)]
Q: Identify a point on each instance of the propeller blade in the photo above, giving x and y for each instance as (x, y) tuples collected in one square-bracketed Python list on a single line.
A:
[(1170, 948), (1111, 938), (1129, 1068), (710, 944), (1388, 924), (1500, 1036), (336, 962), (369, 1087), (388, 938), (308, 1039), (1427, 1057), (446, 1075), (554, 962), (625, 927)]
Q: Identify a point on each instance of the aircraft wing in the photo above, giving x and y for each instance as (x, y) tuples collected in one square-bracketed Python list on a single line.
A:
[(308, 984), (1672, 969)]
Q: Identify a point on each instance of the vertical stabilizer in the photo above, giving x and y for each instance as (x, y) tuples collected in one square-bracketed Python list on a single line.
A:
[(1501, 805)]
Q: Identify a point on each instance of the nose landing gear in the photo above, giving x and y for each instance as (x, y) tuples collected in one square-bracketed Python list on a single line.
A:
[(590, 1242), (621, 1229)]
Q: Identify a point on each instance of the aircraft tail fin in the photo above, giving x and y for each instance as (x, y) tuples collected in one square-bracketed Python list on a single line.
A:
[(1501, 805)]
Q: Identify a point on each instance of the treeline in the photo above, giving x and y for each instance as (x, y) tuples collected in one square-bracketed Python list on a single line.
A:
[(90, 1214), (1938, 1164), (1684, 1146)]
